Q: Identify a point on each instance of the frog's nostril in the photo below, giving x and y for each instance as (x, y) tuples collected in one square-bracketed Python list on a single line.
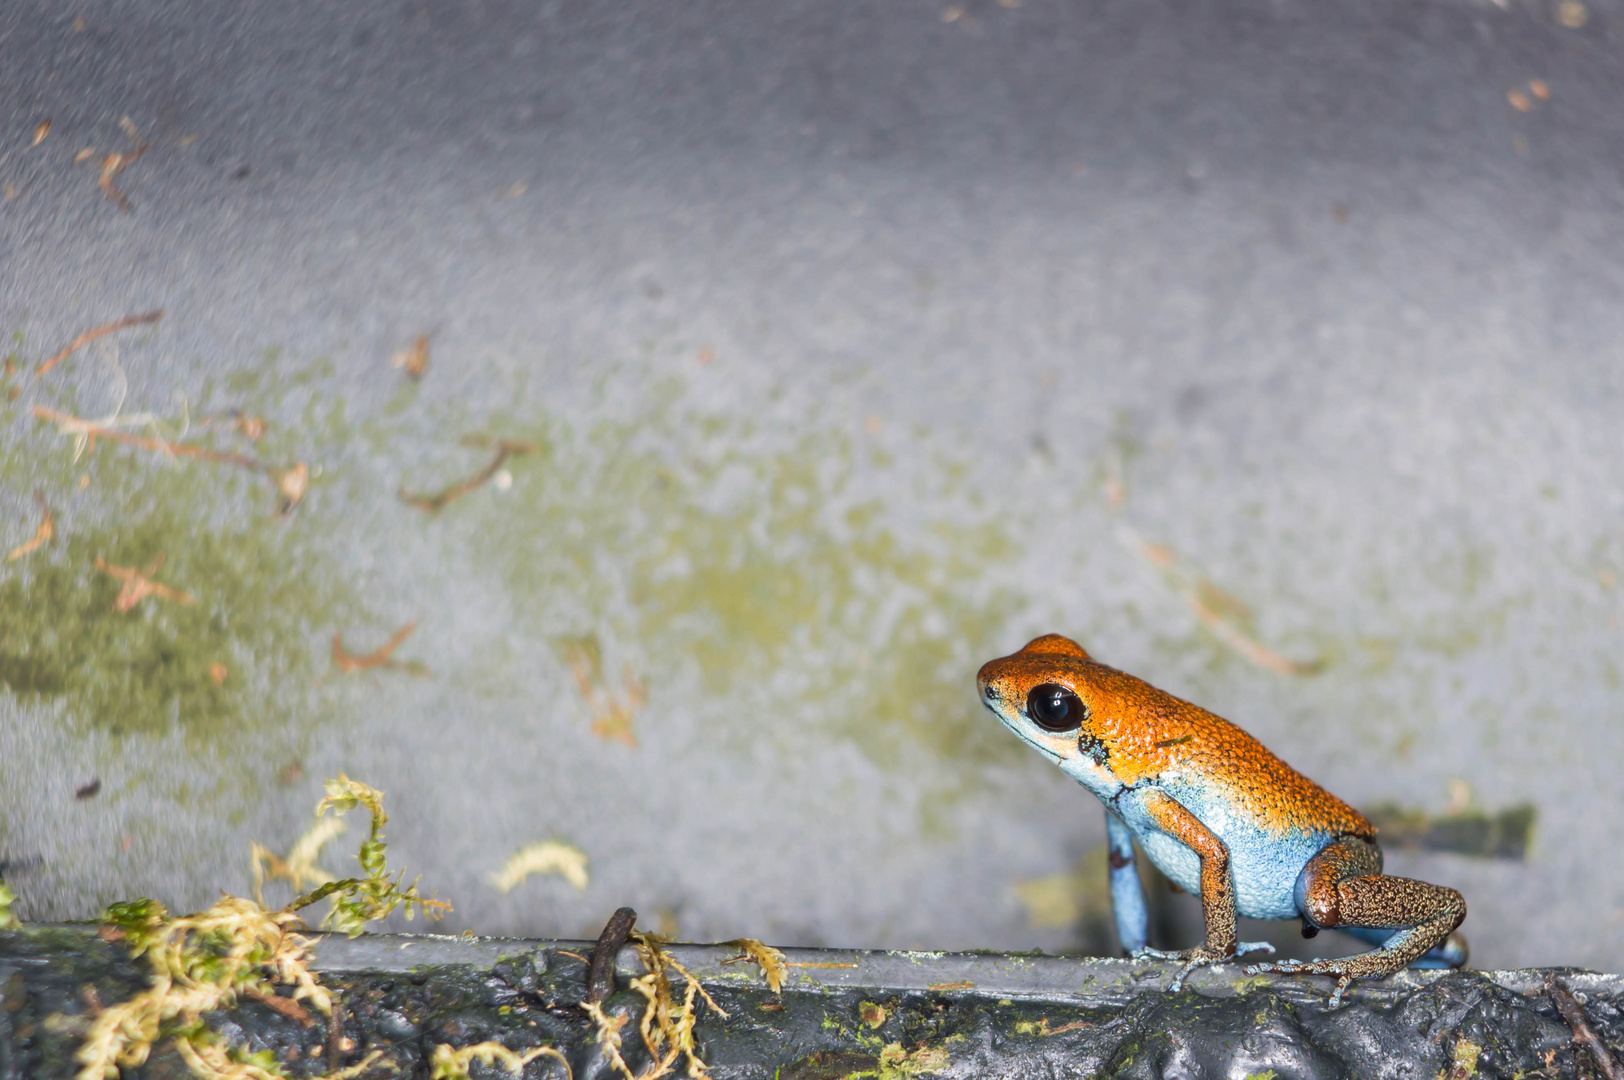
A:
[(990, 694)]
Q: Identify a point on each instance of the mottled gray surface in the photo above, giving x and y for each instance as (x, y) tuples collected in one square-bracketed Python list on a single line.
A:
[(841, 325)]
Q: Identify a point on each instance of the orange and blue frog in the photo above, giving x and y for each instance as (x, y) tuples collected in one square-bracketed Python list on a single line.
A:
[(1221, 817)]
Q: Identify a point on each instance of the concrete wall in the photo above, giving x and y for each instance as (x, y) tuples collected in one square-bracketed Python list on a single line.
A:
[(1272, 350)]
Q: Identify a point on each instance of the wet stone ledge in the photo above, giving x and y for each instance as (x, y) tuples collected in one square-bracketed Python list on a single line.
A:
[(889, 1015)]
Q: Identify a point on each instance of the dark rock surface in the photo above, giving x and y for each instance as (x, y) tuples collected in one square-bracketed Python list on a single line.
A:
[(883, 1014)]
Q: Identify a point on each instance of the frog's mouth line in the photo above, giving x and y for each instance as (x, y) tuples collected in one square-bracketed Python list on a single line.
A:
[(1016, 727)]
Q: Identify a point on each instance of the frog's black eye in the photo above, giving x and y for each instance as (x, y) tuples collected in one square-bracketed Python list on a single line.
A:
[(1055, 708)]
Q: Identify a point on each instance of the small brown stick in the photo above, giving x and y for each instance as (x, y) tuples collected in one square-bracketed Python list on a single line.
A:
[(137, 586), (42, 535), (113, 164), (285, 1006), (1583, 1034), (349, 663), (98, 332), (505, 448), (335, 1035), (601, 978), (93, 430)]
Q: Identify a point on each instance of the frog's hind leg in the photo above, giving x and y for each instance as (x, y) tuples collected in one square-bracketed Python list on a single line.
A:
[(1452, 953), (1343, 887)]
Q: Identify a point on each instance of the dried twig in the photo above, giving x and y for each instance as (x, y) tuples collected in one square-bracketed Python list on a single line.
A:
[(137, 586), (348, 663), (42, 535), (505, 448), (92, 430), (113, 164), (1227, 617), (1583, 1034), (98, 332), (40, 132)]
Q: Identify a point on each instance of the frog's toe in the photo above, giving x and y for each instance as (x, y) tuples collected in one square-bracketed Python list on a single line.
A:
[(1280, 967), (1145, 952), (1245, 947)]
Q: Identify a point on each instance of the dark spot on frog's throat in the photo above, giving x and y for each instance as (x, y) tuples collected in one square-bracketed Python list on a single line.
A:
[(1091, 745)]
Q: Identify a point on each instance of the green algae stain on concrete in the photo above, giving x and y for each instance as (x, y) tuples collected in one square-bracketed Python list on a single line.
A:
[(227, 662), (774, 579)]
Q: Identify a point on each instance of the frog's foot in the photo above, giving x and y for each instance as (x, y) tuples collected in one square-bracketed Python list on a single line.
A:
[(1201, 956), (1340, 969)]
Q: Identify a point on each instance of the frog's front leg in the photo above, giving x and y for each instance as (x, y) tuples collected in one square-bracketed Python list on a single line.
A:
[(1343, 886), (1217, 889), (1127, 892)]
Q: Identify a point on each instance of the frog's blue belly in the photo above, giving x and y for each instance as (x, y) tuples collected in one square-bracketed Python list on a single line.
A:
[(1263, 864)]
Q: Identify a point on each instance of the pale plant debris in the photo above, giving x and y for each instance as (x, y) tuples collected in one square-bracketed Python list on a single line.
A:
[(448, 1063), (84, 155), (42, 535), (414, 360), (1228, 618), (198, 963), (299, 869), (358, 901), (504, 449), (612, 712), (135, 585), (549, 857), (207, 961), (86, 432), (897, 1063), (609, 1038), (667, 1026), (144, 319), (218, 673), (115, 163), (382, 657), (767, 958), (42, 130)]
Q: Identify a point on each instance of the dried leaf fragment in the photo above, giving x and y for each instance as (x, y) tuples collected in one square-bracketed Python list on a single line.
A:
[(612, 712), (348, 663), (137, 586), (42, 535), (550, 857), (218, 673), (98, 332), (505, 448), (40, 132), (414, 360), (292, 483), (1572, 14), (767, 958)]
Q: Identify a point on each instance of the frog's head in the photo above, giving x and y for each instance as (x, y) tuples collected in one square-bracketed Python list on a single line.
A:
[(1041, 694)]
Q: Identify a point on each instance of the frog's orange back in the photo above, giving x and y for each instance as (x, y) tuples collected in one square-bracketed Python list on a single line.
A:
[(1147, 734)]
